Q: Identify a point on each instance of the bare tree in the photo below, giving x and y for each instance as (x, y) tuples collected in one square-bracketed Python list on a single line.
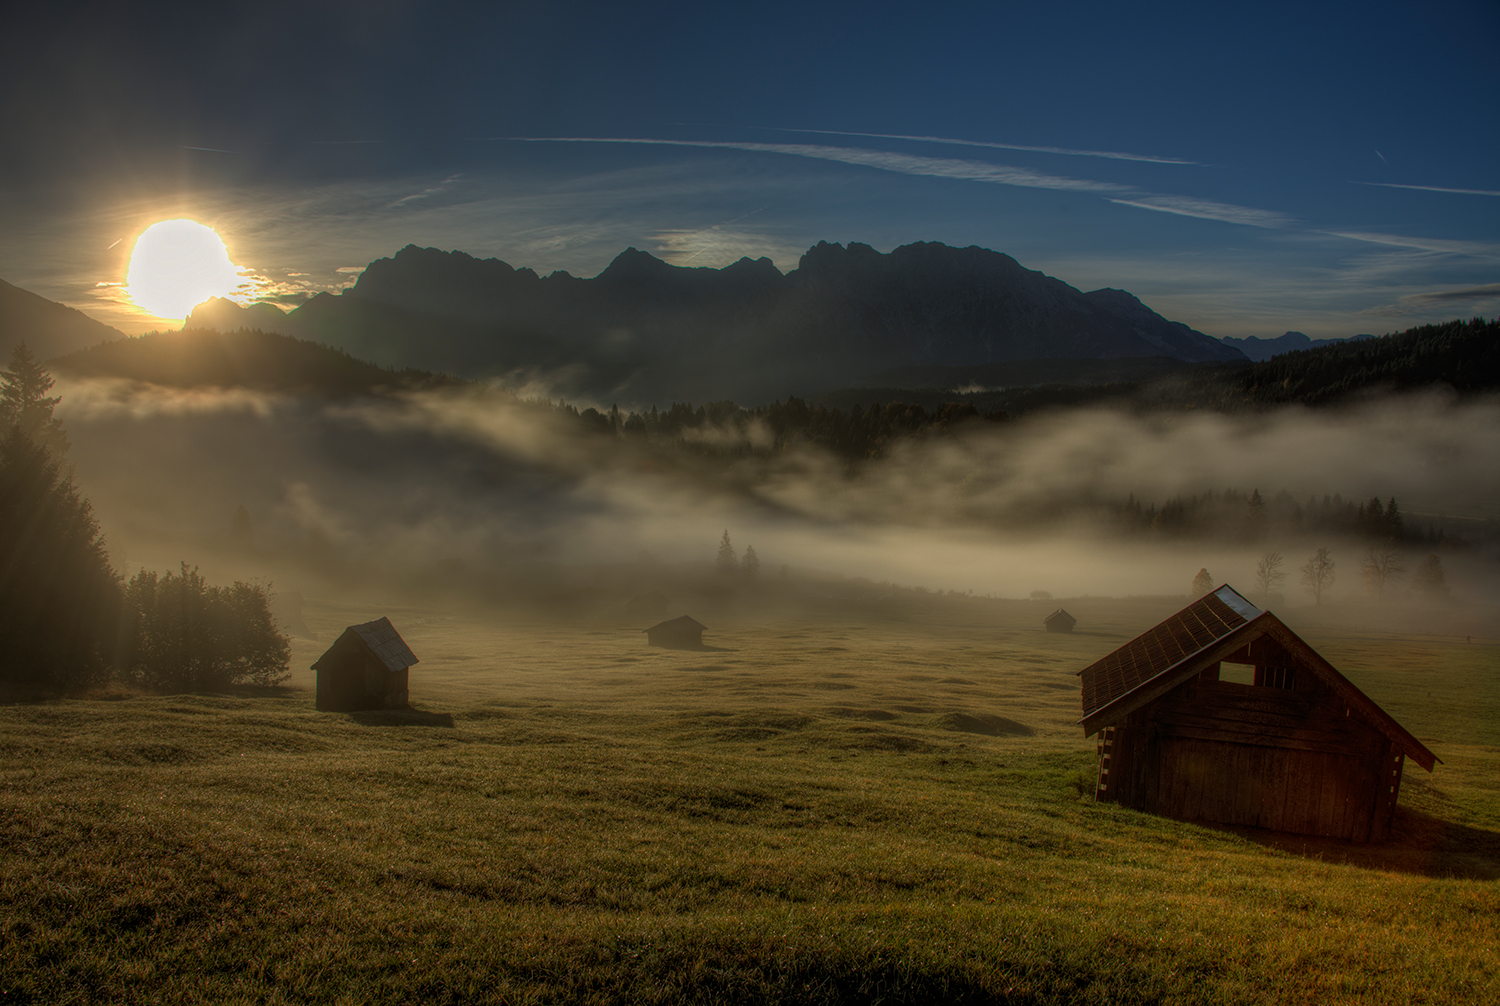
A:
[(1202, 583), (1317, 574), (1268, 573), (1382, 565), (1429, 578)]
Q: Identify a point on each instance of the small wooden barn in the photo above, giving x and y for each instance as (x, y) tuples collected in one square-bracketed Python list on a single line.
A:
[(365, 668), (1060, 621), (680, 633), (1298, 748)]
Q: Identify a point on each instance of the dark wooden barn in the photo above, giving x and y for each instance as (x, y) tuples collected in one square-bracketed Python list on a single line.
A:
[(365, 668), (1060, 621), (1298, 748), (680, 633)]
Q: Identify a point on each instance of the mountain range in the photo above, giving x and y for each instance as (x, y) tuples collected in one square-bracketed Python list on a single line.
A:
[(1259, 349), (644, 330)]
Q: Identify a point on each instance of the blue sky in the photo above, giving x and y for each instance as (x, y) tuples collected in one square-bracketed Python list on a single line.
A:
[(1246, 169)]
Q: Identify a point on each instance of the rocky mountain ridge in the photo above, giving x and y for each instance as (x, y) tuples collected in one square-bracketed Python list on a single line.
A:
[(644, 330)]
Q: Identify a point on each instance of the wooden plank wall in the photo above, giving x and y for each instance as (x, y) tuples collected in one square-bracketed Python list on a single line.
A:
[(1287, 760)]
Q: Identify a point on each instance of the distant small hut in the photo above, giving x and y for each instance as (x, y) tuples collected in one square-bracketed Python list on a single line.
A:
[(681, 633), (1299, 749), (1060, 621), (365, 668)]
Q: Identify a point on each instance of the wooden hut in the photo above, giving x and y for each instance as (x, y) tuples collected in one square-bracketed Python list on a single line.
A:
[(365, 668), (681, 633), (1060, 621), (1297, 749)]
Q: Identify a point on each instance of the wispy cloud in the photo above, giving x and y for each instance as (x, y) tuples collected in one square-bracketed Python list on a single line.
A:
[(427, 193), (1475, 248), (1435, 188), (1112, 155), (1205, 209), (718, 247), (962, 169), (1487, 291), (905, 164)]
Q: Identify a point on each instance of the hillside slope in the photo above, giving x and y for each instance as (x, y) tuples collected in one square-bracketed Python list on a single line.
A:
[(48, 328)]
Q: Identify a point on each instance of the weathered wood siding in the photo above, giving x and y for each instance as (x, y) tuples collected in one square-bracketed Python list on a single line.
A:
[(1285, 758), (351, 679)]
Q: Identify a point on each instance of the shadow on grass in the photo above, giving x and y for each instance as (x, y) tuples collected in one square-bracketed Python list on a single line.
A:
[(401, 718), (120, 692), (1419, 844), (698, 648)]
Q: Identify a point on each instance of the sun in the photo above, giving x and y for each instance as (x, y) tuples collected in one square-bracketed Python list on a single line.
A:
[(177, 265)]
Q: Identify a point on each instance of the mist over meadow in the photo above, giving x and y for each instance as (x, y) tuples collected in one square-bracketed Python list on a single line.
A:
[(462, 489)]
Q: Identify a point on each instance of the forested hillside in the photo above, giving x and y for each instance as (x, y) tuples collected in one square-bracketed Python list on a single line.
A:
[(1460, 355)]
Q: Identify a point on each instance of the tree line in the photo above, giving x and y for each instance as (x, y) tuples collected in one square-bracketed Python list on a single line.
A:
[(68, 621), (1231, 515), (855, 434)]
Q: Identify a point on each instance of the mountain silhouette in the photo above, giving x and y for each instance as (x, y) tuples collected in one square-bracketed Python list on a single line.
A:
[(1259, 349), (644, 330), (48, 328)]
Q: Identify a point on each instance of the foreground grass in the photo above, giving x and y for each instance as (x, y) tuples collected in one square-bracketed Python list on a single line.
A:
[(873, 810)]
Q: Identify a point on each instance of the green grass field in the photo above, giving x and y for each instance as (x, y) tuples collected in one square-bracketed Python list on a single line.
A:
[(888, 804)]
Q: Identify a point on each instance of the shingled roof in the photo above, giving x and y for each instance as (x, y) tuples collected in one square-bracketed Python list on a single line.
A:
[(1209, 630), (381, 639)]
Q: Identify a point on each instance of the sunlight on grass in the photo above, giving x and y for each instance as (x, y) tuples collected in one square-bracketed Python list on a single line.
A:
[(604, 822)]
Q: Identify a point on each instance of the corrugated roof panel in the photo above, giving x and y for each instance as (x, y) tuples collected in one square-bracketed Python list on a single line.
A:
[(386, 643), (1210, 618)]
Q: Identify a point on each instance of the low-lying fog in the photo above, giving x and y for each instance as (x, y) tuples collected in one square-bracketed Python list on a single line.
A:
[(435, 486)]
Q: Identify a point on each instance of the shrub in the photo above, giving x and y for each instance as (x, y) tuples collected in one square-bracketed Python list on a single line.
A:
[(184, 635)]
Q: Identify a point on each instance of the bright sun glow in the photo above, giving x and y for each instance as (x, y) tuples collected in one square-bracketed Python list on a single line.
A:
[(177, 265)]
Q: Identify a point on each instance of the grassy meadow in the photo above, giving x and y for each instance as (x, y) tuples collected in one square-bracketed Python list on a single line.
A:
[(883, 802)]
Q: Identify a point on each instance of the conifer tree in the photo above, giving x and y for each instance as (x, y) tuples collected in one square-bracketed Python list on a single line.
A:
[(750, 563), (24, 402), (59, 596), (727, 561)]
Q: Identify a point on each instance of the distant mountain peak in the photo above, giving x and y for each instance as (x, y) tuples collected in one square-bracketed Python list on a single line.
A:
[(634, 264), (1259, 349)]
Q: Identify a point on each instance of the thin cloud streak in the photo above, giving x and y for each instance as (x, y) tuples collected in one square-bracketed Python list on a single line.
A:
[(967, 170), (1205, 209), (1478, 249), (1434, 188), (1107, 154), (1488, 291), (905, 164)]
